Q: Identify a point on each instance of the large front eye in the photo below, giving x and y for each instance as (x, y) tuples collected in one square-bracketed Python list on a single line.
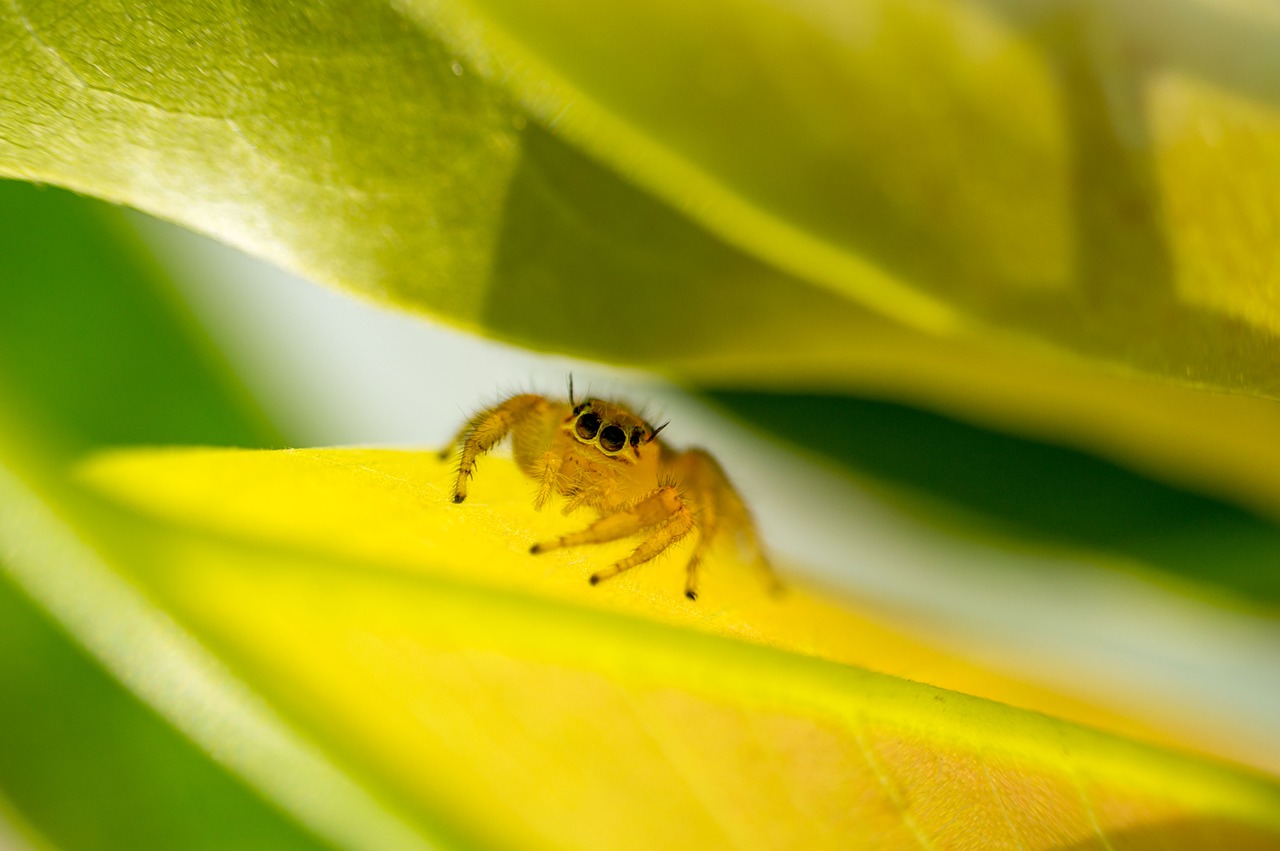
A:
[(612, 438), (588, 425)]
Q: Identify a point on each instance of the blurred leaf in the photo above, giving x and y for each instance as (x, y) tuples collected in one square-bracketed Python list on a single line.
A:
[(978, 481), (93, 353), (931, 203), (343, 142), (161, 720), (95, 767), (506, 702), (92, 346), (1053, 170)]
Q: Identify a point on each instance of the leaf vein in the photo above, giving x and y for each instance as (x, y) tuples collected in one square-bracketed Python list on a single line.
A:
[(890, 792)]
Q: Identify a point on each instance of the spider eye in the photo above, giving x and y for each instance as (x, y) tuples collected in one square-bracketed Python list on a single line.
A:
[(612, 438), (635, 436), (587, 426)]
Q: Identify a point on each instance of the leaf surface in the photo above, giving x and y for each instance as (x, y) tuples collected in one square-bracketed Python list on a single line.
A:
[(767, 235), (504, 701), (1053, 170), (92, 354)]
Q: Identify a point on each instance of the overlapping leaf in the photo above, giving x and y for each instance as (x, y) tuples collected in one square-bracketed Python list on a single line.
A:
[(505, 701), (1010, 213), (92, 353), (453, 164)]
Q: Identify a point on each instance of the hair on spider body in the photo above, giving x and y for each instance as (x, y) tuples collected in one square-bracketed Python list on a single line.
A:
[(601, 454)]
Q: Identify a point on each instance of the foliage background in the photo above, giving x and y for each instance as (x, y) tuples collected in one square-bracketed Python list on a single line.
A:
[(561, 229)]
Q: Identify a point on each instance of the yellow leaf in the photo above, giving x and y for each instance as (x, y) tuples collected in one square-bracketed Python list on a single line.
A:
[(502, 701)]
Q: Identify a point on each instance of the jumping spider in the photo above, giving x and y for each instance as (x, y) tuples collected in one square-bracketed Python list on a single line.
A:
[(601, 455)]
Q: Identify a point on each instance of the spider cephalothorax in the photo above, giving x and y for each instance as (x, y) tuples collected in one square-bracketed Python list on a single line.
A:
[(602, 455), (612, 429)]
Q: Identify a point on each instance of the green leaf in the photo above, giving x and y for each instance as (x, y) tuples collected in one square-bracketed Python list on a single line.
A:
[(164, 719), (501, 700), (93, 352), (344, 142), (94, 349), (942, 213), (1055, 172), (1019, 493), (95, 767)]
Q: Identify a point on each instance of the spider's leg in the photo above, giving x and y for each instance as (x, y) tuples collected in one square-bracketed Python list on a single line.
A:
[(576, 500), (448, 448), (487, 428), (705, 483), (550, 466), (759, 557), (673, 529), (663, 508), (590, 493), (720, 508), (738, 520), (706, 534), (649, 510)]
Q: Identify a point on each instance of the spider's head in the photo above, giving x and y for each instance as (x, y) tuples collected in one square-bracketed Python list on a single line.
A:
[(612, 429)]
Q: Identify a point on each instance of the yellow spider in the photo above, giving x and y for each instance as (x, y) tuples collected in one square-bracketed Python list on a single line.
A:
[(601, 455)]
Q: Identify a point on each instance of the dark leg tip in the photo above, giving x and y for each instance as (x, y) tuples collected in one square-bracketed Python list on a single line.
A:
[(692, 595), (459, 497), (594, 579)]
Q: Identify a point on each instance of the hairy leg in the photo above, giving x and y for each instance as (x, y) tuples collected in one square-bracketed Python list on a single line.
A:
[(706, 534), (590, 493), (550, 466), (720, 508), (668, 534), (663, 509), (487, 429)]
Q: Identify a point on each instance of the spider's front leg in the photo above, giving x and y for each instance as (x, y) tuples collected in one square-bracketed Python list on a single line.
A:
[(487, 429), (664, 511)]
